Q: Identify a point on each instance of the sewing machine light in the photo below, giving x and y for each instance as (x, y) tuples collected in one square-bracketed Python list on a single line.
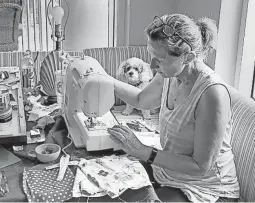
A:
[(57, 14)]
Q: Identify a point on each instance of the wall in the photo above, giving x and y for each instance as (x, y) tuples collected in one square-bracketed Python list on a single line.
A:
[(141, 13), (246, 51), (87, 25), (201, 8), (228, 39), (120, 33)]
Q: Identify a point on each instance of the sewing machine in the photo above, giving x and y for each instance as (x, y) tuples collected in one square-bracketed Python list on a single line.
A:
[(89, 96)]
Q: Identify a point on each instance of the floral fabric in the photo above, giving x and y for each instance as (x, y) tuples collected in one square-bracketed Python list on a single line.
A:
[(109, 175)]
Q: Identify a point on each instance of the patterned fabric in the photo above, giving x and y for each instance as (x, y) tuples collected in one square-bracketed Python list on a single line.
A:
[(109, 175), (110, 58), (177, 136), (42, 185)]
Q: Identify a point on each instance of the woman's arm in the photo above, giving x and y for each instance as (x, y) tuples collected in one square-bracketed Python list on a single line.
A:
[(212, 116), (147, 98)]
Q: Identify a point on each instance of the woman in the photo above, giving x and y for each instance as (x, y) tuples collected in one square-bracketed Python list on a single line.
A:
[(196, 162)]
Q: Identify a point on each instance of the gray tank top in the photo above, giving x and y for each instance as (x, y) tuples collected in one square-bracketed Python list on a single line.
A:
[(177, 128)]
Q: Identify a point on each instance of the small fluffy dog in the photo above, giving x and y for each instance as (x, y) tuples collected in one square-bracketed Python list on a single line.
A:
[(136, 72)]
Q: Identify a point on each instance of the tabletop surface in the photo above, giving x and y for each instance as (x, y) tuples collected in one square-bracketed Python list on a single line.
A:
[(15, 171)]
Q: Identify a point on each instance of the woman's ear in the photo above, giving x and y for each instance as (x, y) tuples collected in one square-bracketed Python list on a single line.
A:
[(189, 57)]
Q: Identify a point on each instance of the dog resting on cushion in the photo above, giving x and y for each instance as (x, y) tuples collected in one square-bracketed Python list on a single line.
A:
[(136, 72)]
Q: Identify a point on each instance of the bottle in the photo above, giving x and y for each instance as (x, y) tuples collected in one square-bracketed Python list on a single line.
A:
[(28, 71)]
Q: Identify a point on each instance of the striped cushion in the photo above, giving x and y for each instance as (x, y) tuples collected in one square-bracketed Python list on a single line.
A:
[(243, 143), (110, 58)]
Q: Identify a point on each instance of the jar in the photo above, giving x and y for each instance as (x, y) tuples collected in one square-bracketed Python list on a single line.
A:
[(5, 108)]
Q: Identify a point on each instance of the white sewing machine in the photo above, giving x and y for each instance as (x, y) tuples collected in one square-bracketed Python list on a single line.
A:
[(89, 96)]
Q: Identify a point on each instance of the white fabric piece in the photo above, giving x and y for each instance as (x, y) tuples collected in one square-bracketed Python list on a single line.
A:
[(111, 175)]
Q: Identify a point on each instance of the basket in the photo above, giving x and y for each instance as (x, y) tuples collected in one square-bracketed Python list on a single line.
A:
[(10, 16)]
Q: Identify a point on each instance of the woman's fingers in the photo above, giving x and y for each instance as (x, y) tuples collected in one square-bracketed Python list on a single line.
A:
[(116, 140), (120, 130), (116, 126), (125, 128), (126, 136), (117, 135)]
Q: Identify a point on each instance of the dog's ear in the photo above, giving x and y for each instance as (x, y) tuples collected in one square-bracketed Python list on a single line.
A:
[(140, 67), (146, 74), (120, 72)]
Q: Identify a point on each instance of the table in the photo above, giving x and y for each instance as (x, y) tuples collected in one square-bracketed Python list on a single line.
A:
[(14, 172)]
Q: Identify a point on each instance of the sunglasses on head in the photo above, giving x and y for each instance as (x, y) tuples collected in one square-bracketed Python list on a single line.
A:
[(168, 30)]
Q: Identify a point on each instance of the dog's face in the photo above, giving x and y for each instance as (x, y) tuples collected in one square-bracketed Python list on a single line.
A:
[(132, 71)]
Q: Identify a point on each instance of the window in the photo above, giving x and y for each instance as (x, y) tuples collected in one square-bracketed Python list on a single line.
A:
[(36, 30), (90, 24), (244, 81)]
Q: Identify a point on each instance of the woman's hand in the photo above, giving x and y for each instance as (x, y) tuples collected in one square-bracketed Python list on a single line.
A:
[(130, 143)]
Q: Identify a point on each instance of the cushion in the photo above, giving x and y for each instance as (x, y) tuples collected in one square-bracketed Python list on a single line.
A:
[(243, 143)]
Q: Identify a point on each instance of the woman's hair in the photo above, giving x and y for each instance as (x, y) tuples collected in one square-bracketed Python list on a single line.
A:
[(201, 35)]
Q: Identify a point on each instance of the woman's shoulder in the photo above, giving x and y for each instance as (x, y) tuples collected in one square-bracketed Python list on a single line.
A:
[(216, 91), (213, 88), (216, 97)]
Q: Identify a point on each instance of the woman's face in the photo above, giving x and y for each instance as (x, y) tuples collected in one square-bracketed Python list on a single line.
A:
[(166, 65)]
